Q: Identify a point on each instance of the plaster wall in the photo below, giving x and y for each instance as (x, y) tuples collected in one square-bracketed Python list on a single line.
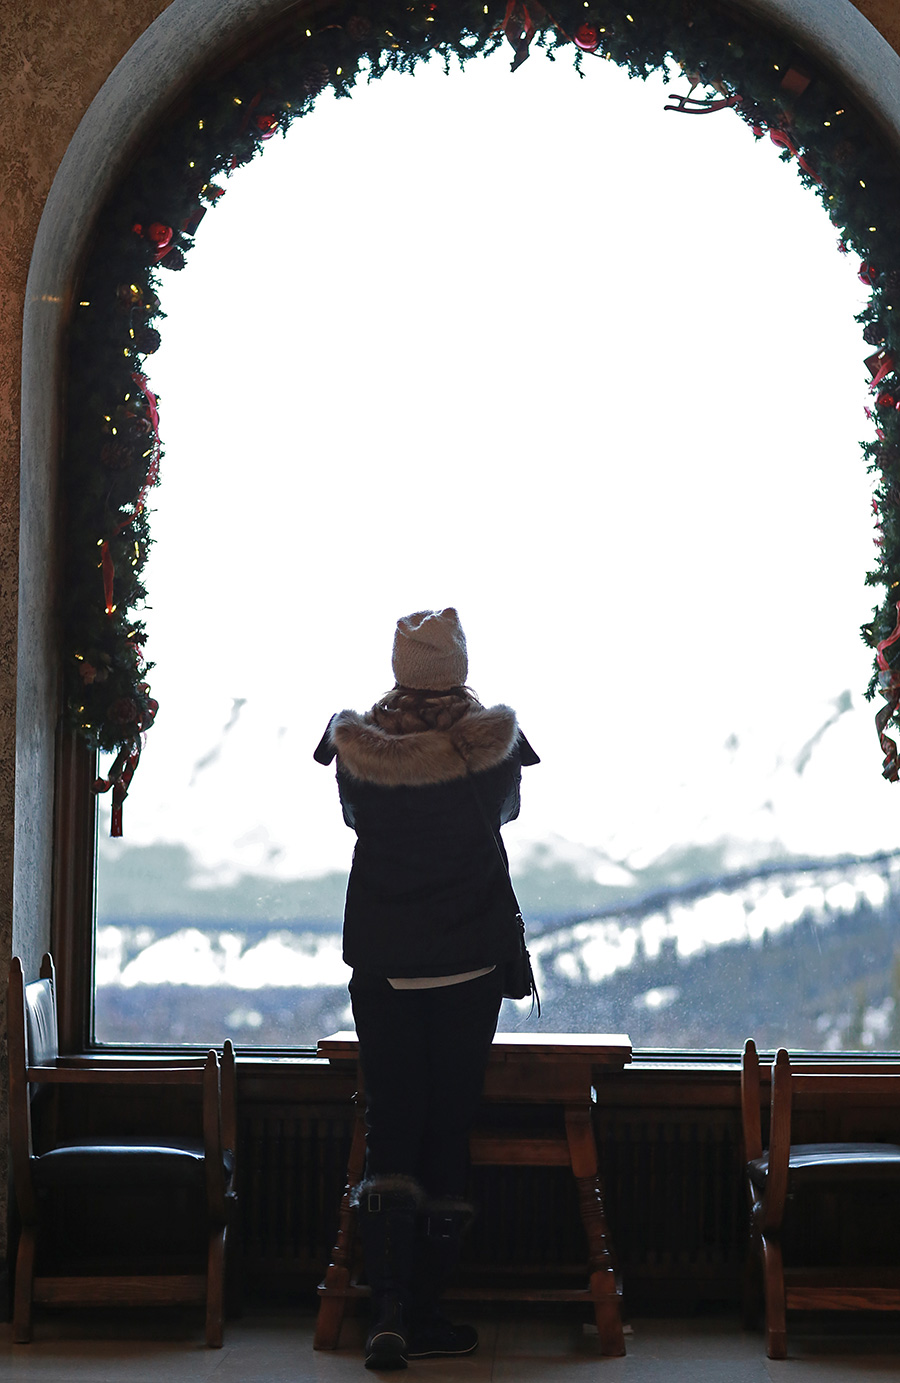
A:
[(82, 80)]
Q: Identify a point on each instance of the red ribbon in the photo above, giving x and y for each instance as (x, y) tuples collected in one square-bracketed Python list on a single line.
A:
[(693, 105), (123, 769), (520, 28), (784, 141), (890, 689), (887, 364)]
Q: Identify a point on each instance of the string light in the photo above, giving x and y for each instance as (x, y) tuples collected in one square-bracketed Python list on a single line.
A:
[(861, 183), (200, 125), (84, 304), (827, 124), (238, 101)]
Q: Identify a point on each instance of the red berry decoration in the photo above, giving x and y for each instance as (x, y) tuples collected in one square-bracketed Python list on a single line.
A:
[(587, 38), (868, 274)]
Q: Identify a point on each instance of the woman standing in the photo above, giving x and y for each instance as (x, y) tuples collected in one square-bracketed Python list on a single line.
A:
[(428, 927)]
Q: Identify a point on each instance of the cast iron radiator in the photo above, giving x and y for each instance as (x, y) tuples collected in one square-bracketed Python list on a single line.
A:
[(674, 1200)]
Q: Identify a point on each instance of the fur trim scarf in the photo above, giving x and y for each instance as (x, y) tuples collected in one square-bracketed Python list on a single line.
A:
[(479, 740)]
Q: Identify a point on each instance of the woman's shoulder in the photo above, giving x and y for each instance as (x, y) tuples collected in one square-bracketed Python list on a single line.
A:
[(481, 739)]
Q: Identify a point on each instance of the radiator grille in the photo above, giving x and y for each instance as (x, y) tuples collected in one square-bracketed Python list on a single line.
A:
[(674, 1201)]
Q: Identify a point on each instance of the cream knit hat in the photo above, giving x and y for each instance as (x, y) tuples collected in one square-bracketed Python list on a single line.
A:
[(430, 651)]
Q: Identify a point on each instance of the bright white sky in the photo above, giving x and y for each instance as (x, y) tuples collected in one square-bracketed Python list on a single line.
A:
[(583, 368)]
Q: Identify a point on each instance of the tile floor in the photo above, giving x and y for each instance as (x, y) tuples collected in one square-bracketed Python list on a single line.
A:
[(516, 1348)]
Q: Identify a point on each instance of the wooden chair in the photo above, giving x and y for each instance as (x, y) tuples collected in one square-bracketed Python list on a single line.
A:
[(201, 1168), (826, 1169)]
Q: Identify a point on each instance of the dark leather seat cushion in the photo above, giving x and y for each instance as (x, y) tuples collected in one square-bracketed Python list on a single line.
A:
[(818, 1163), (124, 1162)]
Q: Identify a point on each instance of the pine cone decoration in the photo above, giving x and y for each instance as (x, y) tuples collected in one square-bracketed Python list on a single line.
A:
[(315, 78), (874, 334), (115, 456), (147, 339)]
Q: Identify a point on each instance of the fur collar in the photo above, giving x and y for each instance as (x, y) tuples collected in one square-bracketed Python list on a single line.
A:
[(484, 738)]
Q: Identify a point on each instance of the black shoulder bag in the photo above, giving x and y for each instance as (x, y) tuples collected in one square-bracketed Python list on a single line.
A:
[(517, 974)]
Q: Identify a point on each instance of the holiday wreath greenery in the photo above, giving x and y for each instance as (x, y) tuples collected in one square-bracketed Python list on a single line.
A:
[(148, 227)]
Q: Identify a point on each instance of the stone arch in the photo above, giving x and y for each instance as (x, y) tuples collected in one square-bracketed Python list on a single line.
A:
[(178, 48)]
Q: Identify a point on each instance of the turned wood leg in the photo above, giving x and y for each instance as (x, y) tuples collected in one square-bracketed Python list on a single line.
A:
[(776, 1323), (583, 1156), (215, 1288), (752, 1293), (24, 1286), (332, 1292)]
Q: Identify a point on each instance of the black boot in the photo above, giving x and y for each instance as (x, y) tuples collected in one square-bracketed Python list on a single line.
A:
[(387, 1208), (431, 1334)]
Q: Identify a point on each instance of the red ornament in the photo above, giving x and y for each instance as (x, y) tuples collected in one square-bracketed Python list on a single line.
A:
[(268, 124), (160, 235), (587, 38), (868, 274), (885, 400), (138, 228)]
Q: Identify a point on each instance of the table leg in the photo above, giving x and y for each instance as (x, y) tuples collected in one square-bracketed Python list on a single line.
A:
[(583, 1156)]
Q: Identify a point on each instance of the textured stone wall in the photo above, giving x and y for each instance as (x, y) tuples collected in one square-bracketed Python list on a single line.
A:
[(54, 57)]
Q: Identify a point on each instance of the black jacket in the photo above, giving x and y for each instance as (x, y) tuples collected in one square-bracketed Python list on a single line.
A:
[(428, 894)]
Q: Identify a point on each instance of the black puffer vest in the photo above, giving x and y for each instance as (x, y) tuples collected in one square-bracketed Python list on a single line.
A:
[(427, 893)]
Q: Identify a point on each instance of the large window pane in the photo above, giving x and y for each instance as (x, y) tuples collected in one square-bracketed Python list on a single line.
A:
[(457, 341)]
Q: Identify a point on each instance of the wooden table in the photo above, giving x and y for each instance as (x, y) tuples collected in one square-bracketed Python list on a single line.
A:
[(560, 1070)]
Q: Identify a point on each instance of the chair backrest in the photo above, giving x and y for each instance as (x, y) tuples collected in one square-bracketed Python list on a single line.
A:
[(32, 1041)]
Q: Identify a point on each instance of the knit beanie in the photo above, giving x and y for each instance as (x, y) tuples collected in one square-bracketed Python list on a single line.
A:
[(430, 651)]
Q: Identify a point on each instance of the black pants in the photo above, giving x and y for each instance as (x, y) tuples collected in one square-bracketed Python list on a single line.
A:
[(423, 1054)]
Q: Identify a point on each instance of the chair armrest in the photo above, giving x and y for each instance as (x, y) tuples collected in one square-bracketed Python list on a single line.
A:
[(116, 1075)]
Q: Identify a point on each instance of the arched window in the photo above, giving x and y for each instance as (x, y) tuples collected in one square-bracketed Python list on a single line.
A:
[(116, 459)]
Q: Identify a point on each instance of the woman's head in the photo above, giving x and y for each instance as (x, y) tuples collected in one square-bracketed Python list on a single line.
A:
[(430, 651), (430, 664)]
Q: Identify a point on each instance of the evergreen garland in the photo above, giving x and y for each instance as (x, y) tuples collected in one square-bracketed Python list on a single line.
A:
[(149, 226)]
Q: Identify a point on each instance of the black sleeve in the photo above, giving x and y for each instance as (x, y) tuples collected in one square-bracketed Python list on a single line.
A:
[(325, 751), (527, 756)]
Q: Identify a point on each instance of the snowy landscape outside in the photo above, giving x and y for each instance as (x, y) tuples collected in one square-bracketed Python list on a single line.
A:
[(587, 370)]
